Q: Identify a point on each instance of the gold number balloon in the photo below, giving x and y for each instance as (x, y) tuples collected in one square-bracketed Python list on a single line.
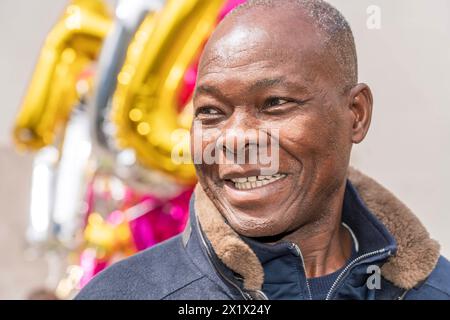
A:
[(73, 43), (145, 102)]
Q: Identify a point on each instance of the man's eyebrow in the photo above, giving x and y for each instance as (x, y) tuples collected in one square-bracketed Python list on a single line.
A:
[(266, 83), (270, 82), (257, 85), (207, 90), (211, 91)]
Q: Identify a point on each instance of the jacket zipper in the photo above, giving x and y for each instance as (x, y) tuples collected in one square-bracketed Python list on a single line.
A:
[(248, 296), (297, 248), (244, 294), (351, 264)]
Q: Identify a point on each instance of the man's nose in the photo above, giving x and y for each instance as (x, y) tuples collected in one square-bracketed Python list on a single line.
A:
[(239, 137), (236, 144)]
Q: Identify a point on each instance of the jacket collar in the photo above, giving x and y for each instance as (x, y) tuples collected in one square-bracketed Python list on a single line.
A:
[(284, 277), (416, 254)]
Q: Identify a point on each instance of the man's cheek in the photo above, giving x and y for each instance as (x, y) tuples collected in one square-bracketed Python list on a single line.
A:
[(310, 133), (299, 142), (203, 145)]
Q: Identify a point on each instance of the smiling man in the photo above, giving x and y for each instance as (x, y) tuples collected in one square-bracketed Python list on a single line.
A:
[(281, 76)]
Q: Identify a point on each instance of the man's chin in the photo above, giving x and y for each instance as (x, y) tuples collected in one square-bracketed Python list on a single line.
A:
[(252, 224)]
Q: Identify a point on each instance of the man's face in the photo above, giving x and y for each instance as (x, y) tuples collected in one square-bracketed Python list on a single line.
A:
[(258, 73)]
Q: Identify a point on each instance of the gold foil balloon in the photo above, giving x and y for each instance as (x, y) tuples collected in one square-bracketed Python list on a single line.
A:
[(145, 109), (129, 14), (107, 236), (73, 44)]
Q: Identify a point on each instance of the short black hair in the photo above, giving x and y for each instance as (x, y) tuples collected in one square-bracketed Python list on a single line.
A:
[(334, 28)]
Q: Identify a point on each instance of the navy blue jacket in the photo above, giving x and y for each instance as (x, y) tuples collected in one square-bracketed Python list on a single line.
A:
[(197, 265)]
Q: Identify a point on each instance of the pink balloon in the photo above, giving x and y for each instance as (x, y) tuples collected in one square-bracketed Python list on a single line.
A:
[(90, 265), (229, 5), (164, 220)]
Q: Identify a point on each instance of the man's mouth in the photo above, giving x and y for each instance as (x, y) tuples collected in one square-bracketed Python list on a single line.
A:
[(250, 189), (253, 182)]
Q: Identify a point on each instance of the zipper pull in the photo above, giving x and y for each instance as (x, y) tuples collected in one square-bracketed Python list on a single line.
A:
[(296, 249), (298, 253)]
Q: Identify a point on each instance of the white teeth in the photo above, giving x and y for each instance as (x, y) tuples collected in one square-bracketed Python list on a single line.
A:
[(255, 181)]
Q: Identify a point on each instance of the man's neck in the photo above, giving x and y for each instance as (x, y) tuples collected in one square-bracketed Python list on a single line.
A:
[(325, 243)]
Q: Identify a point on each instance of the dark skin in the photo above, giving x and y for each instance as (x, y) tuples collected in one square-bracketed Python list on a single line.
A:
[(256, 73)]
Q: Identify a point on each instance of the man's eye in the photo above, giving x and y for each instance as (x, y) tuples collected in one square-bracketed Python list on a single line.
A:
[(277, 104), (273, 102), (207, 111)]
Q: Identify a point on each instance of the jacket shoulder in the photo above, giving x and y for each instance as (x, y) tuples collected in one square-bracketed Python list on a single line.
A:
[(437, 285), (151, 274)]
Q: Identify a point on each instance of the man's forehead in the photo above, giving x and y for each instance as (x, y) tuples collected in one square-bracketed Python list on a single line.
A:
[(241, 39), (259, 36)]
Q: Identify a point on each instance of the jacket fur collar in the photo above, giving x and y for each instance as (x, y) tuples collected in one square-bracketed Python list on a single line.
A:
[(417, 254)]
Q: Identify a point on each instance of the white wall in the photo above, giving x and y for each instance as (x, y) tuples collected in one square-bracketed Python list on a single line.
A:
[(407, 65), (406, 62), (24, 25)]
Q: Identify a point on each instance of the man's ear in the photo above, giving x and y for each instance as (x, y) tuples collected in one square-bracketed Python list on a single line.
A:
[(361, 103)]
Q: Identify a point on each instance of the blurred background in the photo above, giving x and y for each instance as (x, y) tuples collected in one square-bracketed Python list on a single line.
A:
[(96, 93)]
